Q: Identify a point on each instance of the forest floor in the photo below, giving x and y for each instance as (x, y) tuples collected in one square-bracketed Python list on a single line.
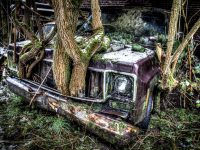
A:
[(25, 128)]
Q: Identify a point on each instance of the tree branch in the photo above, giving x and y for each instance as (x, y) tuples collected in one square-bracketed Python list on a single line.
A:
[(25, 29), (184, 43), (35, 12)]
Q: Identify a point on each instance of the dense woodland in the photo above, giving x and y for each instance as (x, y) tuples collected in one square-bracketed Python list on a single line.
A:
[(175, 120)]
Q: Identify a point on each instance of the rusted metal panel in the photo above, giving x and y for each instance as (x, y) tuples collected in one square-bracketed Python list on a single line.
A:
[(109, 129)]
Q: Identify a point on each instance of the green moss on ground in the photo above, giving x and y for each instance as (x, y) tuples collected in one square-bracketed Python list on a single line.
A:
[(37, 129), (27, 128), (174, 129)]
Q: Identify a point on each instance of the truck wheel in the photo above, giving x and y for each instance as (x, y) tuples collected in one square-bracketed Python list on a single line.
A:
[(144, 124)]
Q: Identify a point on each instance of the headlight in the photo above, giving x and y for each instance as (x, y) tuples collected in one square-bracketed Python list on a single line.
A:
[(120, 90), (120, 86)]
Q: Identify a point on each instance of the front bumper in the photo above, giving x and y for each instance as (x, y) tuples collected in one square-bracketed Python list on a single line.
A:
[(111, 130)]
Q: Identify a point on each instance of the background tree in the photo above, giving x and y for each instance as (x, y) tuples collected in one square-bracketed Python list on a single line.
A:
[(66, 13), (4, 25), (169, 64)]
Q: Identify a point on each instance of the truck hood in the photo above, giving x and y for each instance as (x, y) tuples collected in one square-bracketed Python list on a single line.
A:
[(123, 60), (126, 55), (127, 60)]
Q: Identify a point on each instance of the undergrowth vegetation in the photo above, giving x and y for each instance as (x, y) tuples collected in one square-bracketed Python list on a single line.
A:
[(28, 129), (188, 75)]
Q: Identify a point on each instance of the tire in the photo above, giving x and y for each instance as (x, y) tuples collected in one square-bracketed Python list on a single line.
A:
[(144, 124)]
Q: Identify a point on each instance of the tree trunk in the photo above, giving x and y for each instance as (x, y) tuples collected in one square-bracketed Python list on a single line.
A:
[(4, 34), (168, 69), (61, 68), (35, 50), (96, 15), (17, 4), (171, 36), (66, 14), (77, 83)]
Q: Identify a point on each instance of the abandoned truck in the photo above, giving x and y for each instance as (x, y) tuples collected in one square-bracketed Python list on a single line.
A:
[(120, 81)]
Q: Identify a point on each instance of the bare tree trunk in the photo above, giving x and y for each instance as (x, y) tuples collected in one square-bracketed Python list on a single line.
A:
[(66, 18), (17, 4), (66, 15), (77, 83), (1, 25), (171, 36), (96, 15), (4, 23), (61, 68), (15, 40)]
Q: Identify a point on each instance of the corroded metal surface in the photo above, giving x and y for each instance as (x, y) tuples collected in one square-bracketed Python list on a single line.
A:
[(111, 130)]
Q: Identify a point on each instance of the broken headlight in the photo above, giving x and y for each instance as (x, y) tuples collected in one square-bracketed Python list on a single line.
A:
[(120, 87), (120, 91)]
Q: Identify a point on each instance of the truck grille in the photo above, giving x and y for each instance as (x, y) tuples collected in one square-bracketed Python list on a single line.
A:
[(94, 84)]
